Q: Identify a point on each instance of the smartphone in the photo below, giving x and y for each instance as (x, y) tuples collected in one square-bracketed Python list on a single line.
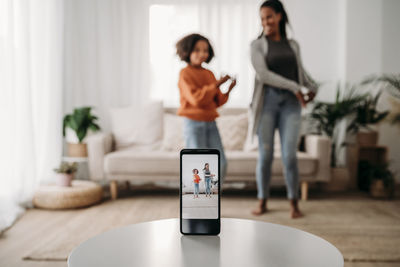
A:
[(200, 192)]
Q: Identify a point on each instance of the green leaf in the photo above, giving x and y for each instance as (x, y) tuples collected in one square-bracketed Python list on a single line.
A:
[(81, 133), (80, 121), (66, 120)]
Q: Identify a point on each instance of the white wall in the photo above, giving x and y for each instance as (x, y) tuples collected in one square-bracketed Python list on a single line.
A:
[(390, 63), (372, 47), (391, 36), (315, 27), (363, 39)]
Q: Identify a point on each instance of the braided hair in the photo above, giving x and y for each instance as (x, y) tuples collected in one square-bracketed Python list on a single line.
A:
[(277, 6)]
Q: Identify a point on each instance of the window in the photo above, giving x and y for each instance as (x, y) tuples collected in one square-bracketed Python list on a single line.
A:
[(230, 27)]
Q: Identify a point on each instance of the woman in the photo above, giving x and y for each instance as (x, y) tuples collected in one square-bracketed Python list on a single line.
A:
[(277, 100), (207, 179)]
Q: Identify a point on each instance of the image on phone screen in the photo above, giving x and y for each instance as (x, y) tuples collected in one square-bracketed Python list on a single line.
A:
[(199, 186)]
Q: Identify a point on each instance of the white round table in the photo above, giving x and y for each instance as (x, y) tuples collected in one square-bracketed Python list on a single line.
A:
[(241, 243)]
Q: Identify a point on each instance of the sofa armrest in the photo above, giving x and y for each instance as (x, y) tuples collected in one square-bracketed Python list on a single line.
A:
[(98, 146), (319, 147)]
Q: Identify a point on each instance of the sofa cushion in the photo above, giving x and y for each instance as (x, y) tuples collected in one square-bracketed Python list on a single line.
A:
[(233, 131), (173, 133), (142, 162), (244, 163), (130, 127), (137, 161)]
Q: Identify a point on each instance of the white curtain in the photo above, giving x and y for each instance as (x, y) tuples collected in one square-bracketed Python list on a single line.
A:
[(106, 55), (31, 49)]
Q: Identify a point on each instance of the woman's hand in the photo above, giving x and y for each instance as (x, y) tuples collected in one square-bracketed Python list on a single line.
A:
[(307, 94), (233, 84), (300, 97), (222, 80), (310, 96)]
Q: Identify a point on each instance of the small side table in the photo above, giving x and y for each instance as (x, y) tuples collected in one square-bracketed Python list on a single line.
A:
[(80, 194), (241, 243)]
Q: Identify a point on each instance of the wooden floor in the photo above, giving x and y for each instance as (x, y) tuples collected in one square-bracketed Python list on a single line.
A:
[(19, 239)]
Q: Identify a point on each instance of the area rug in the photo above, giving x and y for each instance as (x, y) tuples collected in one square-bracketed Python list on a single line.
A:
[(364, 230)]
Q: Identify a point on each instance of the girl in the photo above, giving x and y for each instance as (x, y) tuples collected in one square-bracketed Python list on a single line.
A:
[(196, 181), (277, 101), (207, 179), (200, 95)]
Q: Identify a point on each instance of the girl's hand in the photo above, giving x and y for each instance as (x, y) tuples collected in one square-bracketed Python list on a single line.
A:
[(300, 97), (233, 84), (223, 80)]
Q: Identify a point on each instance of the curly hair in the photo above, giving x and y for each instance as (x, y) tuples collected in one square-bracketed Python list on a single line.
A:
[(185, 46), (195, 170)]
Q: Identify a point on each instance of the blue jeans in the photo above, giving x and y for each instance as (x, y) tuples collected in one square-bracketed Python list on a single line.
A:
[(281, 110), (208, 185), (196, 189), (204, 134)]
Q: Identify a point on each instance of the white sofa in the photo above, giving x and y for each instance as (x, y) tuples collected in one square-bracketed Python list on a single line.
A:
[(114, 159)]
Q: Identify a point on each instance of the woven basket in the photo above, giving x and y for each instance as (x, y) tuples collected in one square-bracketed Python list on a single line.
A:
[(80, 194)]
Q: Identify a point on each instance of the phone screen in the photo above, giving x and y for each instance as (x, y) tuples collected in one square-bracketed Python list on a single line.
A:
[(200, 190)]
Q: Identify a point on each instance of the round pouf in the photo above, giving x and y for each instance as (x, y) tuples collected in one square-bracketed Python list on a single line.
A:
[(80, 194)]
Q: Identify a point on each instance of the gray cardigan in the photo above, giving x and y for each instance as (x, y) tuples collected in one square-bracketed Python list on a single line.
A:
[(259, 50)]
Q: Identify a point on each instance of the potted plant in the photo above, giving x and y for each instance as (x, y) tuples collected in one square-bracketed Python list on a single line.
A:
[(367, 115), (377, 179), (394, 116), (65, 173), (325, 118), (80, 122), (391, 84)]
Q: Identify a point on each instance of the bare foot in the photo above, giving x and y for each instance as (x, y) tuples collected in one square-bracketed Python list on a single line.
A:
[(296, 214), (294, 209), (261, 209)]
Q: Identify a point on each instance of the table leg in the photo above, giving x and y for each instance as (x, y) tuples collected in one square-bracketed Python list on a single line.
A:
[(304, 190), (114, 190)]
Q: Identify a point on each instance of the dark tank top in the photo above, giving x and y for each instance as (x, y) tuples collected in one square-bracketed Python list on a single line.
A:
[(281, 59)]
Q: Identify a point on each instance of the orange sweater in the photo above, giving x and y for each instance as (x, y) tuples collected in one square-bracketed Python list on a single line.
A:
[(199, 94), (196, 179)]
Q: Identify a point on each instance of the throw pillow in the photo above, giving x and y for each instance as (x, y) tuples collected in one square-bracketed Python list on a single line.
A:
[(137, 125), (173, 133), (233, 131)]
